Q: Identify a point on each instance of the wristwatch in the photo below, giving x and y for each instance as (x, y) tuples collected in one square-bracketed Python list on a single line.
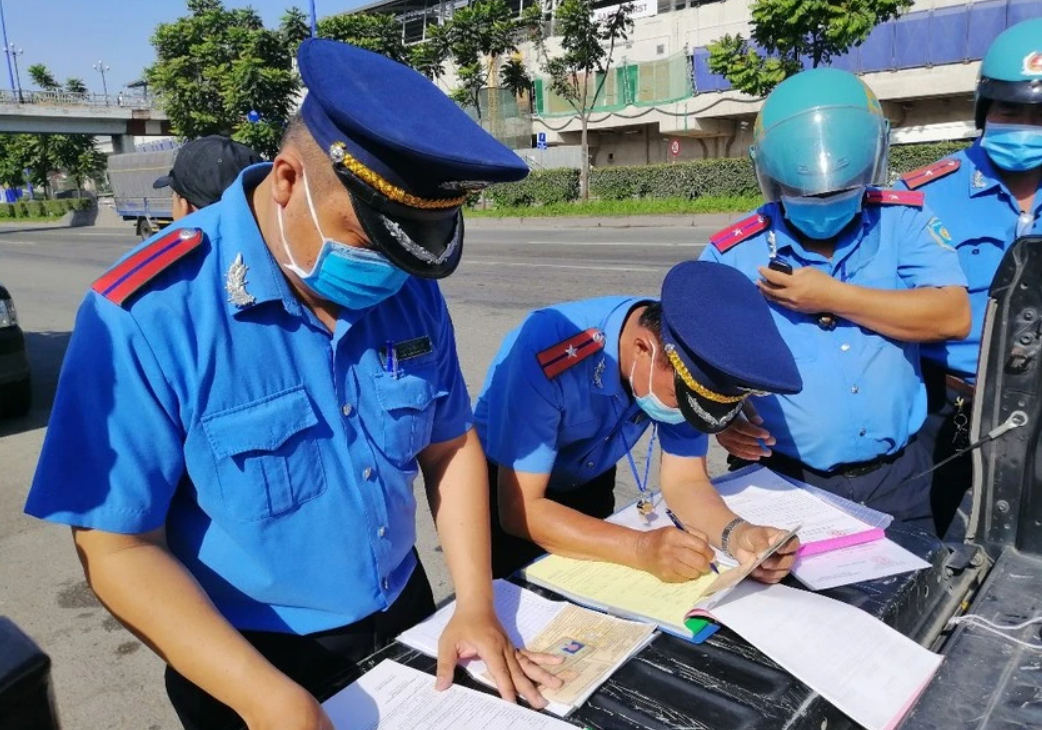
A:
[(725, 536)]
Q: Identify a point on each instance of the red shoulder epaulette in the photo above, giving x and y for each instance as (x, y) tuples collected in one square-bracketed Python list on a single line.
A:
[(743, 229), (130, 275), (894, 197), (555, 360), (934, 171)]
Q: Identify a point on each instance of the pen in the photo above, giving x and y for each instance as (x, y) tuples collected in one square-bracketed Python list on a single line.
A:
[(389, 363), (680, 526)]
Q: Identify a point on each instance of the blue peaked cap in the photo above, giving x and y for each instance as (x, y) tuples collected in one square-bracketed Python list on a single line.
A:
[(722, 342), (406, 152)]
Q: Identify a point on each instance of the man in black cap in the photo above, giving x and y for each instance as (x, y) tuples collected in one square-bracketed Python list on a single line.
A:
[(577, 384), (250, 399), (202, 170)]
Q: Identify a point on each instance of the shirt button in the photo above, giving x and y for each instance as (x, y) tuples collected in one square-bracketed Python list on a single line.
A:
[(367, 473), (844, 347), (381, 531), (589, 464), (854, 389), (346, 410), (862, 432), (975, 251)]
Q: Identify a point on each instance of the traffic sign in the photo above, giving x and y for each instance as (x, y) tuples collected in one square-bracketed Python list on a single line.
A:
[(540, 140), (674, 147)]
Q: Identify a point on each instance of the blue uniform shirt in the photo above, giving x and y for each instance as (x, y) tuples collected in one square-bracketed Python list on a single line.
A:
[(578, 424), (280, 457), (863, 394), (984, 219)]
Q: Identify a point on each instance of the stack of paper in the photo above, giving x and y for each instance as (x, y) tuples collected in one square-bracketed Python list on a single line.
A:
[(862, 666), (847, 543), (394, 697), (592, 644)]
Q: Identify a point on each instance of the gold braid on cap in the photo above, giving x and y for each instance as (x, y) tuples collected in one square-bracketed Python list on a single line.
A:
[(685, 375), (340, 156)]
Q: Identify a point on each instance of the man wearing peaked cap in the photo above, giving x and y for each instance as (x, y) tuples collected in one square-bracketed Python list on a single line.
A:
[(249, 397), (203, 169), (576, 385), (856, 278)]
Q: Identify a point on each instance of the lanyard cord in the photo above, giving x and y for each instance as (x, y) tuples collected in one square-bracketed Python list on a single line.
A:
[(642, 485)]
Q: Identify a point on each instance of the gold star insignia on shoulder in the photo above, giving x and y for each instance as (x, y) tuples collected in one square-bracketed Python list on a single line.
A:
[(235, 284)]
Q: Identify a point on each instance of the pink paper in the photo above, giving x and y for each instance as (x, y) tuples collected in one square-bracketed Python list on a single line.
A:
[(835, 543)]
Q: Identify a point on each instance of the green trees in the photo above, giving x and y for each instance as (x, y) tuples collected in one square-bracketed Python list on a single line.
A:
[(215, 65), (43, 78), (578, 73), (789, 30)]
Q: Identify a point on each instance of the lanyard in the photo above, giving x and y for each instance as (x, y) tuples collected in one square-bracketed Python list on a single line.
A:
[(644, 503)]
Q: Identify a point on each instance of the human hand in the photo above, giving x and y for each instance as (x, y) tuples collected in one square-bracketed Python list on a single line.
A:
[(287, 706), (748, 541), (476, 633), (673, 555), (745, 437), (806, 289)]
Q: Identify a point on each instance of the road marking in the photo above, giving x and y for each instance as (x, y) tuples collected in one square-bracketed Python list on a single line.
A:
[(489, 262), (9, 242)]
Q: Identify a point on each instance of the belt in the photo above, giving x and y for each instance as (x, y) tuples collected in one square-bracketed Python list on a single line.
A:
[(959, 386), (784, 463)]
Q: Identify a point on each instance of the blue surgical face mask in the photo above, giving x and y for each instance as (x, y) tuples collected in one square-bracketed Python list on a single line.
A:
[(823, 218), (650, 403), (1013, 147), (350, 276)]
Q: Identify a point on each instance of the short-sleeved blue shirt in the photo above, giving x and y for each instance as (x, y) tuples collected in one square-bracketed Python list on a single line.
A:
[(578, 424), (863, 394), (984, 219), (280, 457)]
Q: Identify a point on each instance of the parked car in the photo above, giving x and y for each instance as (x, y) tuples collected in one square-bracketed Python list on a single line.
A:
[(15, 386)]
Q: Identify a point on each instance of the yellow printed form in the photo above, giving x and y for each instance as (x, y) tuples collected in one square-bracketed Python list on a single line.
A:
[(621, 590)]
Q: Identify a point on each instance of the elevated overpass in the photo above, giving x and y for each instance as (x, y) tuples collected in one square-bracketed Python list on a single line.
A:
[(119, 116)]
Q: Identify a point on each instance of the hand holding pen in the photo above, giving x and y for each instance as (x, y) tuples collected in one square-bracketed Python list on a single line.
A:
[(680, 526)]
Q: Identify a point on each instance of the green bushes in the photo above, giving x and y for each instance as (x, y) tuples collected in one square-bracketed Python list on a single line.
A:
[(731, 177), (43, 208)]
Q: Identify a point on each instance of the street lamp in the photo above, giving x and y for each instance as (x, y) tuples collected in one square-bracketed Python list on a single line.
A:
[(15, 52), (101, 68)]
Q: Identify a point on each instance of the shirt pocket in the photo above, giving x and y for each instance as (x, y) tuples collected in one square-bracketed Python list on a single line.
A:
[(408, 402), (267, 456)]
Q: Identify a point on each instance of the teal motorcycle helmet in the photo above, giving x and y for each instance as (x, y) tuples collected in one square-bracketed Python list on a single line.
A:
[(1011, 70), (821, 131)]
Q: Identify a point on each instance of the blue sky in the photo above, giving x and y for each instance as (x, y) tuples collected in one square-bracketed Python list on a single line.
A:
[(70, 36)]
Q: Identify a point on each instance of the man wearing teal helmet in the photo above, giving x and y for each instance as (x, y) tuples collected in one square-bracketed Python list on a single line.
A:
[(856, 278), (988, 195)]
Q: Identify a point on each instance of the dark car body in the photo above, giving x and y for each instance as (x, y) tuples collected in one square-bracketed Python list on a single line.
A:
[(15, 386)]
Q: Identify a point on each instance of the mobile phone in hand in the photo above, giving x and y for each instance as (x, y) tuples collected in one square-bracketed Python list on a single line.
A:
[(780, 266)]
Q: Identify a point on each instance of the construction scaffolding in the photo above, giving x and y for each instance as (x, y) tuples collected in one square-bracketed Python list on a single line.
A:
[(504, 116)]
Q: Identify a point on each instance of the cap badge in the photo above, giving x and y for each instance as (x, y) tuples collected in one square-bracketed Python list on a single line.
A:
[(235, 284), (1033, 64)]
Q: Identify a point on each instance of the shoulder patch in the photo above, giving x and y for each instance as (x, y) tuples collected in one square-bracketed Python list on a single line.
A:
[(894, 197), (927, 174), (128, 277), (555, 360), (740, 231)]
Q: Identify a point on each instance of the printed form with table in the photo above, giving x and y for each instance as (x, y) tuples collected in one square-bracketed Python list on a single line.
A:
[(866, 669)]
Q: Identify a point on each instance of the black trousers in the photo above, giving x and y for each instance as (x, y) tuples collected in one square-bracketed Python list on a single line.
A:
[(945, 432), (320, 662), (595, 498)]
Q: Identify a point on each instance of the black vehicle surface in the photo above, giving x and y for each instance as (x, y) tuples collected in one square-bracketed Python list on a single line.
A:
[(15, 386)]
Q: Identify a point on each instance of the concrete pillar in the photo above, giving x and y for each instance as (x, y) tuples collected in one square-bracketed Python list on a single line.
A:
[(122, 143)]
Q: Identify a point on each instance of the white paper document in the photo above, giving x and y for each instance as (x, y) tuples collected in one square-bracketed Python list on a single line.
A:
[(862, 666), (592, 645), (868, 561), (393, 696)]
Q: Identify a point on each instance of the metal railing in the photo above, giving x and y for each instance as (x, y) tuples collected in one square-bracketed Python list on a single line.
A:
[(67, 98)]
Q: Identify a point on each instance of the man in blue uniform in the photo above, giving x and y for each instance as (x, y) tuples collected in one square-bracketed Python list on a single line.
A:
[(574, 387), (247, 400), (988, 196), (856, 277)]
